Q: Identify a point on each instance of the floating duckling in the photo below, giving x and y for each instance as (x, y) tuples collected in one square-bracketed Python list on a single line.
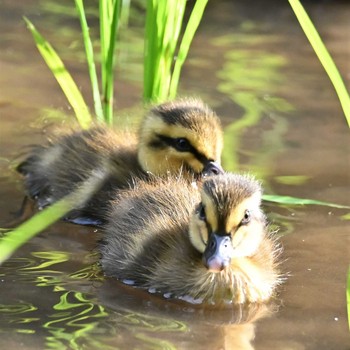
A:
[(210, 245), (180, 136)]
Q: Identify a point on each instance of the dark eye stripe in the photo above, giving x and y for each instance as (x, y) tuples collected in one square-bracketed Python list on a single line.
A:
[(172, 143)]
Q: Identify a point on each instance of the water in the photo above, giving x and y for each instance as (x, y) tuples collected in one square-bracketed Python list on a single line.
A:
[(253, 65)]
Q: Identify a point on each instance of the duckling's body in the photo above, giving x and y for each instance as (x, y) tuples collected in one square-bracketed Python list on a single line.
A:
[(158, 237), (56, 170), (181, 136)]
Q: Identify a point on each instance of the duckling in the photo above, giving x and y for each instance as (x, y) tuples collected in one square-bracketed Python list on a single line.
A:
[(210, 244), (180, 136)]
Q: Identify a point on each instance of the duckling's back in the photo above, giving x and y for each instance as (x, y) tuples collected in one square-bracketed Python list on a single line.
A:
[(55, 170), (144, 223)]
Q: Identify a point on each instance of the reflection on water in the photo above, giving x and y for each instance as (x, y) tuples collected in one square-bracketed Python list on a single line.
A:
[(67, 320), (75, 319), (282, 122), (74, 322), (245, 74)]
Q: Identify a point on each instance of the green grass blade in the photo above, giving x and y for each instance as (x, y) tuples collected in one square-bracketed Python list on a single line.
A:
[(156, 19), (125, 13), (20, 235), (149, 48), (163, 27), (109, 63), (63, 77), (191, 28), (90, 59), (348, 296), (300, 201), (323, 55), (17, 237), (173, 40), (104, 9), (159, 52)]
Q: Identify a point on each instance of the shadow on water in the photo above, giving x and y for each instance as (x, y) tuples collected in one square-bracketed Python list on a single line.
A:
[(282, 122)]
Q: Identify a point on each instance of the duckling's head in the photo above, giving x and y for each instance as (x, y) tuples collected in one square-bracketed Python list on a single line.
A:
[(228, 222), (181, 135)]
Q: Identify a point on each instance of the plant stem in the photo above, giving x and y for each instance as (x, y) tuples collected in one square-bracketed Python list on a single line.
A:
[(323, 55), (21, 234), (192, 25), (63, 77), (90, 59), (109, 21)]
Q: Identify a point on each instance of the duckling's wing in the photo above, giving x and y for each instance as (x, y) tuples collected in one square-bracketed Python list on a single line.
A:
[(142, 225), (56, 170)]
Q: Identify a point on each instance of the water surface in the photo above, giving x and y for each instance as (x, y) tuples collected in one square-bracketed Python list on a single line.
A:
[(283, 122)]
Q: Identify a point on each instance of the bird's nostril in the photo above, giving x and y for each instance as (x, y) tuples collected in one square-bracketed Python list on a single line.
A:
[(212, 168)]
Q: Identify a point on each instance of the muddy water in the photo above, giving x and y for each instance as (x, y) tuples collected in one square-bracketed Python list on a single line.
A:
[(282, 122)]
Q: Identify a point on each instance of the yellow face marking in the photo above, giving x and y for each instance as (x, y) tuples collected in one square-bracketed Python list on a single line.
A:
[(198, 233), (202, 139), (237, 214), (247, 239), (205, 138), (210, 211)]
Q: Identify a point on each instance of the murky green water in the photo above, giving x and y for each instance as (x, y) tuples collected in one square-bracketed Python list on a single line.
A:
[(253, 65)]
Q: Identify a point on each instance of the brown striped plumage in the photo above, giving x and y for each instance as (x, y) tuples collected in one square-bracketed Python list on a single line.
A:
[(180, 136), (159, 236)]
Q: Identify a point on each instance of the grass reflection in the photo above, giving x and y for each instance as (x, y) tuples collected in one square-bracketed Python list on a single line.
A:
[(60, 313), (69, 319), (53, 257), (248, 77), (17, 308), (16, 314), (73, 324)]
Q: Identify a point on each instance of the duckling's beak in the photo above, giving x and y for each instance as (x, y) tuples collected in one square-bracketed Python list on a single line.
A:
[(218, 253), (212, 168)]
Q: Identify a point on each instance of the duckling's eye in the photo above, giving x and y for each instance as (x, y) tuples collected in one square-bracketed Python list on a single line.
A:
[(182, 145), (201, 212), (246, 218)]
